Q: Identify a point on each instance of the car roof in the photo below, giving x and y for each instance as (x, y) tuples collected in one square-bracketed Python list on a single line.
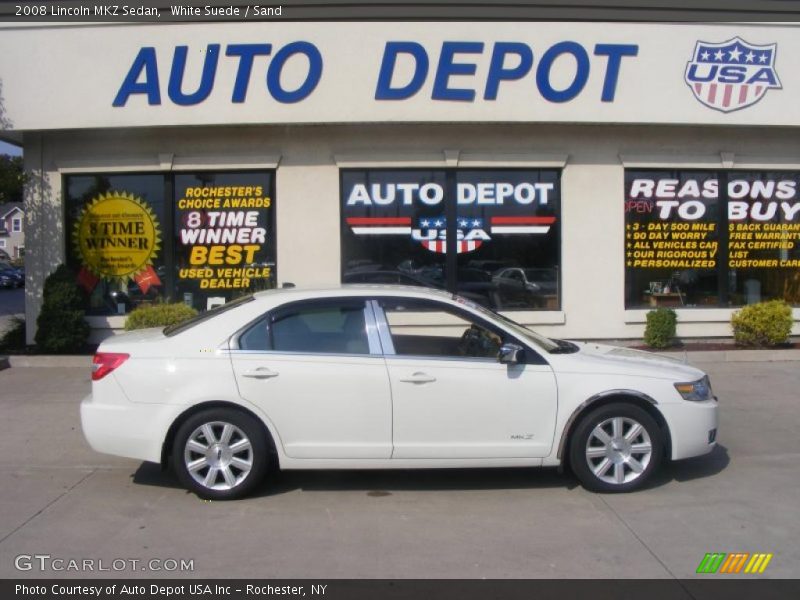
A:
[(352, 289)]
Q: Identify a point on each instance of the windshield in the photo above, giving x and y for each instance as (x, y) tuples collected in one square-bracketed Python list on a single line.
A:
[(519, 330)]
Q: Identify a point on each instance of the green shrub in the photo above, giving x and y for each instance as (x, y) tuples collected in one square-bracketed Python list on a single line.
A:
[(158, 315), (763, 324), (13, 340), (660, 329), (61, 328)]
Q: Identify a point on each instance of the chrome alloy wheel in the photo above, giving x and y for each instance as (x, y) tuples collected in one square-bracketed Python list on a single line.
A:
[(618, 450), (218, 455)]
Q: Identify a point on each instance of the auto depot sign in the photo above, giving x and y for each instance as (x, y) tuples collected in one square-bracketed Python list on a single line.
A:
[(240, 73)]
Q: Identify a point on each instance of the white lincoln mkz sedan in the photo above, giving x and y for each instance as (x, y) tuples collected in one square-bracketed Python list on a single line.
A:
[(386, 377)]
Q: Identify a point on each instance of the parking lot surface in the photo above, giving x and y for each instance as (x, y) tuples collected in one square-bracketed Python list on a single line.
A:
[(59, 498)]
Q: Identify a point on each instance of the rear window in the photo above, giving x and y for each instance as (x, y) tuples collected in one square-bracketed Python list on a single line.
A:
[(171, 330)]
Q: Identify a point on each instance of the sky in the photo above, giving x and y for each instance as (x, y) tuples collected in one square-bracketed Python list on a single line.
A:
[(10, 149)]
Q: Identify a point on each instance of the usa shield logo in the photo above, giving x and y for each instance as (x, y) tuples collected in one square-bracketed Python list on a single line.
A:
[(731, 75)]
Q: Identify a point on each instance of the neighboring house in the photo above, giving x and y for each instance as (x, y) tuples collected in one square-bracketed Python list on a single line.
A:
[(12, 234)]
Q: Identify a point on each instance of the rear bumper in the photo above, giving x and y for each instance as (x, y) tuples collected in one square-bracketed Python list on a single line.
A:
[(693, 427), (126, 429)]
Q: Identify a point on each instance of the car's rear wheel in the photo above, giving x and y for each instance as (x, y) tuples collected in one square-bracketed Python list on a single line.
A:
[(616, 448), (220, 454)]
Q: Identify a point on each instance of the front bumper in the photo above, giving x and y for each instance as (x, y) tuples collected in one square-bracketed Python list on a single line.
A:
[(693, 427)]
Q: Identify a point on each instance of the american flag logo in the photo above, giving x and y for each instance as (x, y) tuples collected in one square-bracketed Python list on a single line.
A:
[(731, 75), (430, 231)]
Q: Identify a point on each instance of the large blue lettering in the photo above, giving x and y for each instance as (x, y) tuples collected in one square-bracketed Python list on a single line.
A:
[(448, 68), (384, 89), (499, 72), (547, 91), (174, 90), (145, 62), (615, 53), (312, 77), (246, 54)]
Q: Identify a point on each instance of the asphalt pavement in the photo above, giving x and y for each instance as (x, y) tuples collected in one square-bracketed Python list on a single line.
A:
[(61, 499)]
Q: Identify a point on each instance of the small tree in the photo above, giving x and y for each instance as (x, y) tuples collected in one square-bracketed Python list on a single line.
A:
[(763, 324), (13, 340), (660, 329), (61, 328)]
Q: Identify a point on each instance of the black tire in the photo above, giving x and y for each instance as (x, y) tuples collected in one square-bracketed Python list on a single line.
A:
[(224, 475), (601, 465)]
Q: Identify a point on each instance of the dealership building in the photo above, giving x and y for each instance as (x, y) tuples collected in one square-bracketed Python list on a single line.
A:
[(573, 176)]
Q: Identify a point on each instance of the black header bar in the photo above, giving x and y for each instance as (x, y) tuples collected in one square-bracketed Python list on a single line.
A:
[(166, 11)]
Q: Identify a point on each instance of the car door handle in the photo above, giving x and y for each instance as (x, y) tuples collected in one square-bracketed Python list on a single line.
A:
[(260, 373), (419, 377)]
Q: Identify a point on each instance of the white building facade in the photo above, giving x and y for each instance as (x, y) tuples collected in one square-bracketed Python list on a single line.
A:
[(570, 175)]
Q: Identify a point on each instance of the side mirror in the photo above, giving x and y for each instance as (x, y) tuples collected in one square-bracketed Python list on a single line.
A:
[(508, 354)]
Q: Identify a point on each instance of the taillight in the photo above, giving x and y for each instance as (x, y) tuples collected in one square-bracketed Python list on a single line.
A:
[(105, 362)]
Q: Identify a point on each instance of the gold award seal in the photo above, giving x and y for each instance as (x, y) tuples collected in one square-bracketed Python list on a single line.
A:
[(117, 236)]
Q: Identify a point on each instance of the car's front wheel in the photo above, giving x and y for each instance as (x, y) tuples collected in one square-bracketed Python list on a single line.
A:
[(616, 448), (220, 454)]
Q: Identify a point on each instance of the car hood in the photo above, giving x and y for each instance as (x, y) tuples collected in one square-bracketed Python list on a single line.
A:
[(601, 358)]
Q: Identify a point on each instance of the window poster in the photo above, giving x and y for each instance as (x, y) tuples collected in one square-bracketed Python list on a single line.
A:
[(116, 224), (506, 222), (225, 242), (711, 238)]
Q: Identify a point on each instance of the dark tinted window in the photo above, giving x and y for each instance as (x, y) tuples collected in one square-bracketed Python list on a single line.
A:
[(337, 328)]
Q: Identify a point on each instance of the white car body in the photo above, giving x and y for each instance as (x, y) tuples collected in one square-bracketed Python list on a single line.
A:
[(381, 410)]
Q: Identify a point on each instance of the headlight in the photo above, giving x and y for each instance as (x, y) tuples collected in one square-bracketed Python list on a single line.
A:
[(696, 391)]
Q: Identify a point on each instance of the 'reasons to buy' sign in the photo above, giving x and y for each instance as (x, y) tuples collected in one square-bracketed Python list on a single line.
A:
[(691, 221)]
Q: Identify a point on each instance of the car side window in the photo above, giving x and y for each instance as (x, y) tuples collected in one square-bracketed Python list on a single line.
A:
[(422, 328), (312, 327)]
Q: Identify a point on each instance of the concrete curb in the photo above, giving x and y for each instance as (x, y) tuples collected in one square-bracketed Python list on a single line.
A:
[(50, 361), (699, 356)]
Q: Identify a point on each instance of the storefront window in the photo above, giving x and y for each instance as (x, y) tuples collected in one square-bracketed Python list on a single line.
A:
[(199, 238), (383, 212), (700, 238), (224, 236), (505, 226), (115, 243)]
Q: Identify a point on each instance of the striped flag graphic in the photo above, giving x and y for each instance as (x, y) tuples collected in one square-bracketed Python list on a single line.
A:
[(380, 225), (734, 562), (521, 224)]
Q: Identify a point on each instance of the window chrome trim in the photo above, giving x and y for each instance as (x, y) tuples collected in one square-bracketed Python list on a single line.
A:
[(373, 335), (482, 359), (384, 333), (237, 352)]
